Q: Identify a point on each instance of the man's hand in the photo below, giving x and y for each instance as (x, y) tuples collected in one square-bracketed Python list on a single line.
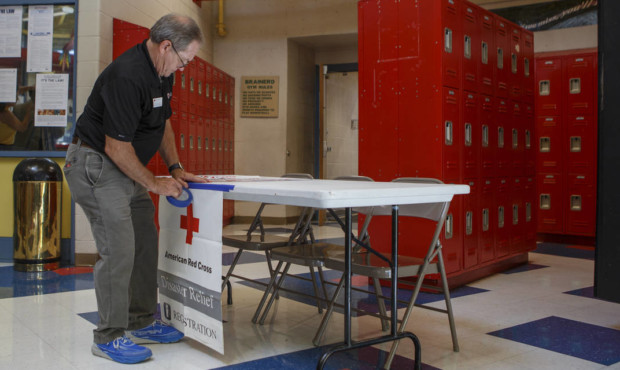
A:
[(167, 186), (182, 177)]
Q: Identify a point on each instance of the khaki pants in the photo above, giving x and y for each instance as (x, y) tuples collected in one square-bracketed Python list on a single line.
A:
[(121, 216)]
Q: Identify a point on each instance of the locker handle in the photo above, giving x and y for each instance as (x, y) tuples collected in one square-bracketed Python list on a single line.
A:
[(182, 141), (485, 136), (545, 201), (513, 58), (526, 67), (199, 142), (575, 85), (515, 214), (468, 134), (469, 223), (191, 84), (467, 47), (500, 137), (199, 87), (528, 211), (500, 58), (485, 219), (500, 217), (206, 143), (448, 40), (449, 227), (528, 139), (544, 87), (485, 53), (515, 138), (207, 90), (449, 133), (575, 202), (575, 144), (191, 142), (545, 144)]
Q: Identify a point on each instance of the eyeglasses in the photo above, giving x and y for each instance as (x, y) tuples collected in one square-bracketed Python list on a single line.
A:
[(183, 64)]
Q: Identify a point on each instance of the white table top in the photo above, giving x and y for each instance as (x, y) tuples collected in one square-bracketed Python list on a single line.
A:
[(329, 193)]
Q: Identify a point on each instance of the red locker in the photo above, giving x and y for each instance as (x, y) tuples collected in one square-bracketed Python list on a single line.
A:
[(471, 135), (502, 65), (452, 236), (580, 78), (220, 146), (193, 129), (530, 213), (201, 74), (200, 164), (488, 137), (517, 140), (503, 217), (208, 152), (550, 210), (208, 91), (471, 227), (488, 54), (183, 138), (378, 129), (451, 135), (550, 150), (231, 100), (580, 145), (530, 140), (516, 224), (453, 41), (549, 86), (528, 66), (515, 80), (471, 46), (192, 75), (581, 206), (487, 217), (503, 117)]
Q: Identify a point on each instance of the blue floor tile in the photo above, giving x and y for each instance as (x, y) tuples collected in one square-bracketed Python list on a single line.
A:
[(564, 251), (524, 268), (21, 284), (583, 292), (573, 338), (363, 359)]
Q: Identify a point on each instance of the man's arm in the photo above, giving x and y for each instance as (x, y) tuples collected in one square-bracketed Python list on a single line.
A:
[(124, 156), (168, 152)]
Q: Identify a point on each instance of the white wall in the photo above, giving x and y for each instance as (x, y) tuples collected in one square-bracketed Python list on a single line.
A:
[(258, 44), (94, 50)]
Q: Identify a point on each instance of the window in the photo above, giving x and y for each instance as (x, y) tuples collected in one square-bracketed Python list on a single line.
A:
[(44, 137)]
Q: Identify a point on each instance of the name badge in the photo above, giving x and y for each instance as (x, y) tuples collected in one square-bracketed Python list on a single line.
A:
[(157, 102)]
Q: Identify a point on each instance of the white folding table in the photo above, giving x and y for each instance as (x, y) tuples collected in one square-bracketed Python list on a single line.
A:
[(341, 194)]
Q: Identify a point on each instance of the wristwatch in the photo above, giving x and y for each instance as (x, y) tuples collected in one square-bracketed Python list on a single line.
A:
[(175, 166)]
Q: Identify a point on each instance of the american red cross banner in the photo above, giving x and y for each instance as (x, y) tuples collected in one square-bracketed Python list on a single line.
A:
[(190, 267)]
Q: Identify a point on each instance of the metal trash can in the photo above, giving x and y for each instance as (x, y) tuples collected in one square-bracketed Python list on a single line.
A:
[(37, 192)]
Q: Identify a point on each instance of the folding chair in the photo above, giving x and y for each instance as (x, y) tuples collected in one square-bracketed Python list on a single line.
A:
[(310, 255), (378, 265), (264, 241)]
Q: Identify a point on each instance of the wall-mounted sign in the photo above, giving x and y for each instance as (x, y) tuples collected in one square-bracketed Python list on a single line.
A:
[(259, 96)]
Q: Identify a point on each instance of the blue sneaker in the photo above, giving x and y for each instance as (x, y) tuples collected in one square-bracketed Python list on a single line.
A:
[(122, 350), (157, 332)]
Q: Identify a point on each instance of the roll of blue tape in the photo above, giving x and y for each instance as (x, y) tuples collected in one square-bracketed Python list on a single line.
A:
[(180, 202)]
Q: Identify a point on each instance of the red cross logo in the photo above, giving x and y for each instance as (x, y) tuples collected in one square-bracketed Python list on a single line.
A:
[(190, 223)]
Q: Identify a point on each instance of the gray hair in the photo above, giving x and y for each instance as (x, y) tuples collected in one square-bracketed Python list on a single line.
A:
[(179, 29)]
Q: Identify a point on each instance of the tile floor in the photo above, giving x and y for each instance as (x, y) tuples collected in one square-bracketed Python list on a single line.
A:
[(538, 316)]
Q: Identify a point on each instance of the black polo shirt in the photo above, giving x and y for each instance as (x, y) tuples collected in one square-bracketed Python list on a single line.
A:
[(129, 102)]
